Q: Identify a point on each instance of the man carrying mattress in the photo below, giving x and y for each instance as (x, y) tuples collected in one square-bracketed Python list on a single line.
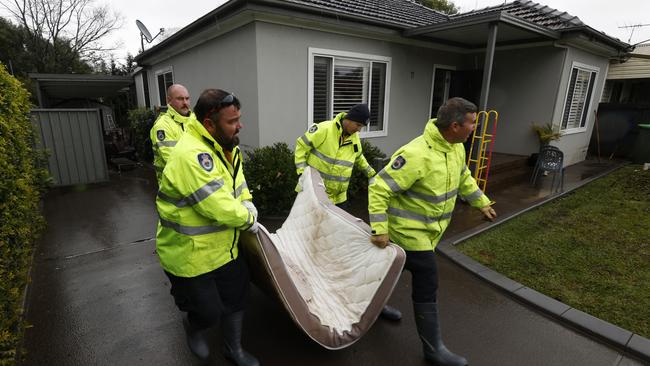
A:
[(333, 148), (204, 204), (411, 201)]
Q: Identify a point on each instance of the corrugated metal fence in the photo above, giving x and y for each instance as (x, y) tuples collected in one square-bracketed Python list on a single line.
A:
[(74, 142)]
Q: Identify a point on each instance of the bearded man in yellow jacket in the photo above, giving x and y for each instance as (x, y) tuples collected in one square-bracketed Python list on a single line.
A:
[(411, 201), (204, 203)]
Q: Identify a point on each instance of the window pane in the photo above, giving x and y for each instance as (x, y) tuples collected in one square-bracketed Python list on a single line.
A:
[(322, 89), (576, 98), (377, 97), (164, 81), (585, 113), (350, 84), (162, 93)]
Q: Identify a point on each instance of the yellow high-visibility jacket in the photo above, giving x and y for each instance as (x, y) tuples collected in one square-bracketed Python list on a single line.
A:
[(199, 205), (413, 197), (322, 148), (164, 134)]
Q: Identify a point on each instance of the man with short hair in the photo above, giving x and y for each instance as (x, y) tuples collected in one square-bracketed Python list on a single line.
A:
[(411, 201), (169, 126), (204, 204)]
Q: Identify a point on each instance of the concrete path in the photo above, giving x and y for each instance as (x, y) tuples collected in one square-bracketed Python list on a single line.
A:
[(98, 297)]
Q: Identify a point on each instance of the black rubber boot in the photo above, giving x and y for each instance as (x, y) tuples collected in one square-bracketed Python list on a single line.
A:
[(390, 313), (197, 340), (426, 319), (231, 328)]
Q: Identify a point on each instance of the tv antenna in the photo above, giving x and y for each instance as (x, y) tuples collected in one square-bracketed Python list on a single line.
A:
[(145, 34), (634, 27)]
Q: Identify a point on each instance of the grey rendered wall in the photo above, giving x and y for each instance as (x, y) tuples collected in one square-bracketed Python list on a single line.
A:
[(524, 90), (283, 53), (73, 141), (227, 62), (575, 145)]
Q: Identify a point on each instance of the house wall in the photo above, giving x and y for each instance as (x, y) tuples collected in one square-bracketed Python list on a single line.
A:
[(575, 145), (283, 56), (523, 91), (139, 89), (227, 62)]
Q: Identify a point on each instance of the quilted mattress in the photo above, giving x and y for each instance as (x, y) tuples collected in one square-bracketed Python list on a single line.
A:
[(322, 267)]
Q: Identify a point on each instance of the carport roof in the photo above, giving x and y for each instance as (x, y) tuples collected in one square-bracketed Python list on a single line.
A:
[(86, 86)]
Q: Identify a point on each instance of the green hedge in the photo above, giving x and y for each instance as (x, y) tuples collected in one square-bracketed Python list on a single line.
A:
[(359, 182), (271, 175), (21, 186), (141, 121)]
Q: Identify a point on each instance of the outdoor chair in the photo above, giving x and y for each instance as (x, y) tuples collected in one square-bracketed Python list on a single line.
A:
[(550, 159)]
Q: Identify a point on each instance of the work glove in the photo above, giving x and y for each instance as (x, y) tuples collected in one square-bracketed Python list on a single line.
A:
[(255, 228), (489, 212), (380, 240), (251, 208)]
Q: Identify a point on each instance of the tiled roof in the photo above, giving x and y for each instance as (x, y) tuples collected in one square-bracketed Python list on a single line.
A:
[(532, 12), (405, 13)]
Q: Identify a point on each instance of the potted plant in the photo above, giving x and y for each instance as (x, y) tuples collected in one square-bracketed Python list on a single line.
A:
[(545, 134)]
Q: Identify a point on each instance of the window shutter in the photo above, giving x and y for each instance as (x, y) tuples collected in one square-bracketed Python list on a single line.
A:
[(578, 97), (350, 80), (377, 96), (322, 88)]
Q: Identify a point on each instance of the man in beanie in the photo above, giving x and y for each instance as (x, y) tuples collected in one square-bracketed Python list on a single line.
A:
[(333, 148)]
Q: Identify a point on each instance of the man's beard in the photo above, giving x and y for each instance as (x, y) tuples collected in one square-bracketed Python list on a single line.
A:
[(228, 144)]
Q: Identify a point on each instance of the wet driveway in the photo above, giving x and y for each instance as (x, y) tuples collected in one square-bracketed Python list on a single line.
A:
[(98, 297)]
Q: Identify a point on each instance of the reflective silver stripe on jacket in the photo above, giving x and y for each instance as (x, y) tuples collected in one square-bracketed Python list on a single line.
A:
[(333, 177), (330, 160), (301, 165), (474, 196), (192, 230), (417, 217), (194, 198), (306, 140), (239, 190), (378, 218), (166, 143), (390, 181), (430, 198), (368, 169), (464, 169)]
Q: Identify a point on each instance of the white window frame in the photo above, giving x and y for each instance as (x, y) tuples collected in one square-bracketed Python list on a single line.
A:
[(583, 67), (354, 56), (433, 83), (156, 74)]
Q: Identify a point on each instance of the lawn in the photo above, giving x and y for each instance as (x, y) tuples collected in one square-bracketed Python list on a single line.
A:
[(589, 249)]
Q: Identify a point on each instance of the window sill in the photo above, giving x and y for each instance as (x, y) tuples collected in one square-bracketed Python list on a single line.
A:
[(573, 131), (372, 134)]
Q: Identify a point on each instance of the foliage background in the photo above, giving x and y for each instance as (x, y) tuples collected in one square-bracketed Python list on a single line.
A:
[(22, 182)]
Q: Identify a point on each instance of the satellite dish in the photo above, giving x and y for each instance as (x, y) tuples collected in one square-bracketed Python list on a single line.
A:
[(144, 31), (145, 34)]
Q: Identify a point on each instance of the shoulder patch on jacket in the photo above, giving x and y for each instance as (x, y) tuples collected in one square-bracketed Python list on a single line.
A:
[(205, 160), (160, 134), (313, 128), (398, 163)]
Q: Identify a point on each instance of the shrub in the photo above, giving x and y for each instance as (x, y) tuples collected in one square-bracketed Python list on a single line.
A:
[(271, 176), (141, 121), (21, 183), (359, 182)]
